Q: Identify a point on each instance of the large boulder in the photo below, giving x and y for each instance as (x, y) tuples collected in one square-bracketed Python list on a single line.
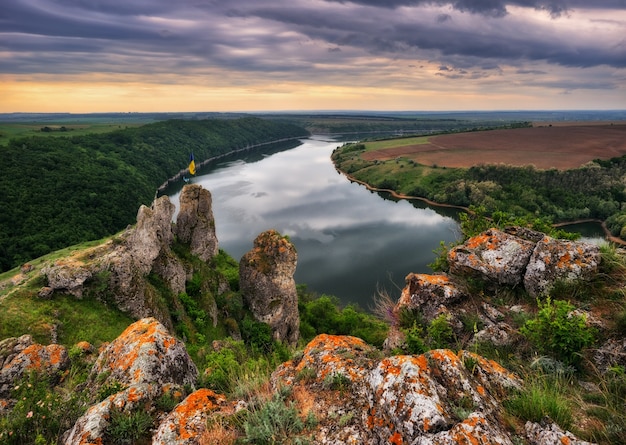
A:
[(436, 398), (50, 360), (144, 362), (188, 420), (144, 353), (428, 294), (195, 224), (494, 256), (558, 260), (267, 284)]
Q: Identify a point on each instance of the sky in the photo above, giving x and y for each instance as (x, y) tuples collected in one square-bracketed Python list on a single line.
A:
[(85, 56)]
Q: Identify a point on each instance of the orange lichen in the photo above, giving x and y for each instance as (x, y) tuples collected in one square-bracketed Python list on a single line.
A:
[(201, 400), (565, 440), (481, 390), (133, 395), (426, 424), (434, 279), (396, 439)]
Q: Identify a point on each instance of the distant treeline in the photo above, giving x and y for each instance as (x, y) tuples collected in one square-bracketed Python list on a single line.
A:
[(56, 192), (593, 191)]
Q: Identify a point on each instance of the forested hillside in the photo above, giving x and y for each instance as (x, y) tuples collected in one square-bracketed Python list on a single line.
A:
[(55, 192), (595, 190)]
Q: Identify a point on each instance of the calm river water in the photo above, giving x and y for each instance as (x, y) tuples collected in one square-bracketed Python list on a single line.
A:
[(351, 242)]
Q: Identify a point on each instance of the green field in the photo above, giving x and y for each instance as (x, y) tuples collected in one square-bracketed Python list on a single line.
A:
[(396, 142), (9, 131)]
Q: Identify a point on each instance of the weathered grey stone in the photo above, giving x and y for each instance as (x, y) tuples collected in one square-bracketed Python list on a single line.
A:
[(67, 276), (92, 426), (558, 260), (611, 353), (188, 420), (144, 353), (550, 434), (493, 255), (50, 360), (195, 224), (399, 399), (267, 284), (428, 294)]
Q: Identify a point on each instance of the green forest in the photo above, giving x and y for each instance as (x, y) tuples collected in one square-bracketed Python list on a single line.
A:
[(594, 191), (63, 190)]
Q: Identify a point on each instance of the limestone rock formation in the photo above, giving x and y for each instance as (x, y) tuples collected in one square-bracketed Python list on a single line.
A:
[(146, 362), (428, 294), (50, 360), (188, 420), (434, 398), (531, 259), (267, 284), (553, 260), (144, 353), (493, 255), (144, 249), (195, 224)]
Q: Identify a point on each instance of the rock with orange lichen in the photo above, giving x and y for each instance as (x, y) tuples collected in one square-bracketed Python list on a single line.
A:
[(50, 360), (428, 294), (558, 260), (421, 396), (195, 224), (494, 256), (91, 427), (399, 399), (186, 423), (144, 353), (268, 287)]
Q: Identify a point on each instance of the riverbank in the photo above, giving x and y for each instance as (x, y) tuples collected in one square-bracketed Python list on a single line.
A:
[(395, 194)]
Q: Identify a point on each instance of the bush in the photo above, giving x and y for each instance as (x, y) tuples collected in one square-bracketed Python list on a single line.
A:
[(540, 398), (558, 332), (274, 422), (127, 428), (40, 415)]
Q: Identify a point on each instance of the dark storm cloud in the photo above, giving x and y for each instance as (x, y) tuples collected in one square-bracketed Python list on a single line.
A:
[(306, 38)]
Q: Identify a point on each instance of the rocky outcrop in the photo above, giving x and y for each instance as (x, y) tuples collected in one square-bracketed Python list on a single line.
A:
[(557, 260), (267, 284), (144, 249), (50, 360), (429, 294), (524, 257), (440, 397), (517, 257), (188, 420), (493, 255), (144, 353), (145, 362), (195, 224)]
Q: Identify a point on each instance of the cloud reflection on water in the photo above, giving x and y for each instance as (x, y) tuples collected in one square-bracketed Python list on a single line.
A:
[(349, 240)]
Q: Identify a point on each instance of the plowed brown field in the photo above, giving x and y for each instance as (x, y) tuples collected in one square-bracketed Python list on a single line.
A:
[(557, 146)]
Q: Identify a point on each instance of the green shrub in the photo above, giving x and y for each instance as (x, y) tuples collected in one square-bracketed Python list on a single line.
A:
[(558, 332), (274, 422), (41, 414), (127, 428), (541, 397), (323, 315), (414, 340), (440, 333)]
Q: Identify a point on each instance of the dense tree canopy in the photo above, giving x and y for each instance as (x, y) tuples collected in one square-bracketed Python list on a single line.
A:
[(55, 192)]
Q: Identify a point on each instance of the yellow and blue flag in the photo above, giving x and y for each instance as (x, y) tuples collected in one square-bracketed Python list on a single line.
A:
[(192, 165)]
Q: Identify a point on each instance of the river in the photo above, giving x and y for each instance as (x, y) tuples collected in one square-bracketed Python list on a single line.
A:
[(351, 242)]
